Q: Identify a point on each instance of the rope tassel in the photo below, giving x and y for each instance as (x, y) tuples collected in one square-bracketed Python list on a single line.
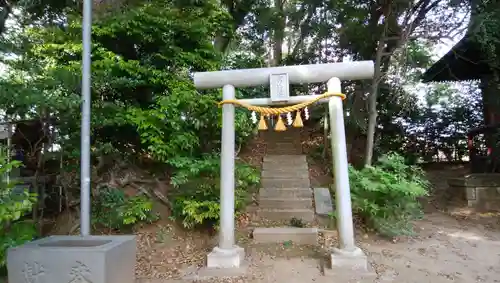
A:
[(280, 126), (298, 120), (262, 123)]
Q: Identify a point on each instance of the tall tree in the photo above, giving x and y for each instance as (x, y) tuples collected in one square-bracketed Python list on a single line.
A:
[(390, 25)]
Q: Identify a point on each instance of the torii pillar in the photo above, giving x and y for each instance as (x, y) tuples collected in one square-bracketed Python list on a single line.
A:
[(227, 254)]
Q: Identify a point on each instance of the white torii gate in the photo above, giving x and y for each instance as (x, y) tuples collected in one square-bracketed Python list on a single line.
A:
[(227, 254)]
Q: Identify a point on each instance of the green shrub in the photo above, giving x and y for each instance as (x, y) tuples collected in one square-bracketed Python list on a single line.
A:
[(16, 234), (14, 230), (197, 197), (114, 210), (386, 195)]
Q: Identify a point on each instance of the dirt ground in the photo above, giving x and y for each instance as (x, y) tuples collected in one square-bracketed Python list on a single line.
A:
[(452, 244)]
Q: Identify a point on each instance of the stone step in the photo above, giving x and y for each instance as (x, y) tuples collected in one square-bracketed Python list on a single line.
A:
[(306, 215), (284, 167), (282, 135), (282, 157), (304, 236), (290, 193), (271, 139), (290, 161), (284, 146), (285, 158), (283, 143), (285, 151), (274, 182), (286, 134), (285, 203), (292, 174), (290, 131)]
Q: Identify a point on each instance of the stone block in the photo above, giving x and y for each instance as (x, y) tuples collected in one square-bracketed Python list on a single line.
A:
[(323, 201), (470, 193), (476, 180), (486, 199), (63, 259), (354, 260), (220, 258), (472, 203), (481, 191), (304, 236)]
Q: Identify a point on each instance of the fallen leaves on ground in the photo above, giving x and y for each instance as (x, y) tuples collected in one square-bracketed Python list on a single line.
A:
[(164, 254)]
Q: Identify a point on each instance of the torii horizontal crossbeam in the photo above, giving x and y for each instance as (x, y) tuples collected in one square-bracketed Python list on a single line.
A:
[(314, 73)]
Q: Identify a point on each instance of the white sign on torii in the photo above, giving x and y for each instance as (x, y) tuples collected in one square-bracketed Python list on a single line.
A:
[(227, 254)]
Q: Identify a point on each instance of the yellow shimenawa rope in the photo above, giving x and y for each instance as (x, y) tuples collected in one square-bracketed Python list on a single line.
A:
[(281, 110)]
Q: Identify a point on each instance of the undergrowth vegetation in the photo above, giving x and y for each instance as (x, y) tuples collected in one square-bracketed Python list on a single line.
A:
[(15, 203), (114, 210), (197, 201), (386, 195)]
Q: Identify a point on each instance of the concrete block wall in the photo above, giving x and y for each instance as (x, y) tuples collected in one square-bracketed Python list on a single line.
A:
[(481, 191)]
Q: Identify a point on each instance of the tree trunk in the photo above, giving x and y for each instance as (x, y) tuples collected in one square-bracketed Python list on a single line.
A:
[(238, 10), (279, 32), (372, 100), (40, 191)]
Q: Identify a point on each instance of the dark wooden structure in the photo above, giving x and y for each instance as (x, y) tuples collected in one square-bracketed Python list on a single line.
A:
[(464, 62), (467, 61)]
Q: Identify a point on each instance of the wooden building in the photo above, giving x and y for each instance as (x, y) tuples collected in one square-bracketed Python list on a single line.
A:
[(467, 61)]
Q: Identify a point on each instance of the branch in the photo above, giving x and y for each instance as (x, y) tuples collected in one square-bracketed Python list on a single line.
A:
[(421, 15), (303, 30), (4, 14)]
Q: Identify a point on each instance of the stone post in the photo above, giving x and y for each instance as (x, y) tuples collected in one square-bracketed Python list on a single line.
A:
[(347, 254), (227, 254)]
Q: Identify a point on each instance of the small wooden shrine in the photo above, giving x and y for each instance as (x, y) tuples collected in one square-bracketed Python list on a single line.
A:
[(467, 61)]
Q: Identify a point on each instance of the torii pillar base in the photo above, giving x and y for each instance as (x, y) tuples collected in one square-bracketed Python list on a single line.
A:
[(220, 258), (347, 265), (353, 259), (220, 263)]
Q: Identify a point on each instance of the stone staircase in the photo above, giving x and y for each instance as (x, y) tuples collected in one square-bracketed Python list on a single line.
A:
[(285, 192)]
